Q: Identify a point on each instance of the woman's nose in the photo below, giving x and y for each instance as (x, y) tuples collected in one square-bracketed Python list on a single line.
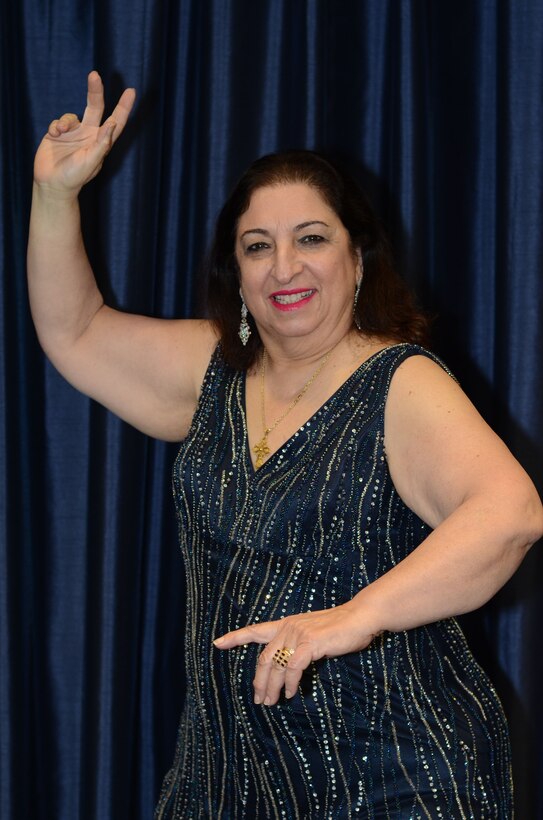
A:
[(287, 262)]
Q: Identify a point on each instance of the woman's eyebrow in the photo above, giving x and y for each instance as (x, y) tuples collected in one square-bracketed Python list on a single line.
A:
[(303, 225), (255, 230), (299, 227)]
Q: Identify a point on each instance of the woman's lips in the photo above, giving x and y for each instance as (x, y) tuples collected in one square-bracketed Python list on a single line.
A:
[(291, 299)]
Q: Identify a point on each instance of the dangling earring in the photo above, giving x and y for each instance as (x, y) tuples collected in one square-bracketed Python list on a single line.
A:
[(244, 330), (356, 320)]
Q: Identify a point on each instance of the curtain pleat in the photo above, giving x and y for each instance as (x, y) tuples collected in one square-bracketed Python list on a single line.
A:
[(438, 108)]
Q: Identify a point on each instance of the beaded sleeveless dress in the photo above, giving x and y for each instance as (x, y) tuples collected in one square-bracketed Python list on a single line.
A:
[(408, 728)]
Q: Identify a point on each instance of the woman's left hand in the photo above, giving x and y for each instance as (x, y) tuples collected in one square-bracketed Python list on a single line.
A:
[(325, 633)]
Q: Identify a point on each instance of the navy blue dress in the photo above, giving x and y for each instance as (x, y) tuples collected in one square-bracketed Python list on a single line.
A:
[(409, 727)]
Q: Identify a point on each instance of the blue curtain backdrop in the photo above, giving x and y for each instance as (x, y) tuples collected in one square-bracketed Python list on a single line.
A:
[(439, 107)]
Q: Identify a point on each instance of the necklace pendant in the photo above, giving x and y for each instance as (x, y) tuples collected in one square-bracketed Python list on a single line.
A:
[(262, 450)]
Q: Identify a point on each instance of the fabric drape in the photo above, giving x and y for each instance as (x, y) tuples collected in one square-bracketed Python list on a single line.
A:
[(437, 107)]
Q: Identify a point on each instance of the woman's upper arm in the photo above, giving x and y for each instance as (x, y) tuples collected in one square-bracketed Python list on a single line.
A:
[(441, 452), (147, 371)]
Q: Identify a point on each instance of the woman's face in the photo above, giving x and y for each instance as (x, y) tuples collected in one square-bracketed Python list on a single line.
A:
[(298, 271)]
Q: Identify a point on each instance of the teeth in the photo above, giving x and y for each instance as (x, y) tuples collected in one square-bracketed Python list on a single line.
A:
[(290, 298)]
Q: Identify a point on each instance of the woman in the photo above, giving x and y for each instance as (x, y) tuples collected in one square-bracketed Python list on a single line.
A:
[(300, 532)]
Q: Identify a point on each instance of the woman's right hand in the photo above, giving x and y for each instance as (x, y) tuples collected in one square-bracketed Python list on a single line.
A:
[(72, 152)]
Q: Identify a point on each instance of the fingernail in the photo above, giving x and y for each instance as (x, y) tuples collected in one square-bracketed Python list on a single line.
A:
[(288, 693), (218, 641), (258, 699), (267, 701)]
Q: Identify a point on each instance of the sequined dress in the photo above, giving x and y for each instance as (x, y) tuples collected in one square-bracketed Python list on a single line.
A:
[(408, 728)]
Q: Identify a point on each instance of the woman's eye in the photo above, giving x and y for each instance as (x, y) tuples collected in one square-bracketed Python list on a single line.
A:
[(256, 247), (312, 239)]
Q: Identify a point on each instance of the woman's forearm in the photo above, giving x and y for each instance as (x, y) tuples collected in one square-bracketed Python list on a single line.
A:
[(63, 292), (458, 568)]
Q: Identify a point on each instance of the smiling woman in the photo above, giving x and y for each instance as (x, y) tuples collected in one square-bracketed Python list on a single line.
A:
[(298, 285), (300, 530), (386, 310)]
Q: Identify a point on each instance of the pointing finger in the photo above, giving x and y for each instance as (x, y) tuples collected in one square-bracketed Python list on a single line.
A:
[(255, 633)]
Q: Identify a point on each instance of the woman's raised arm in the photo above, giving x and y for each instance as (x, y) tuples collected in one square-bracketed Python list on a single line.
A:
[(147, 371)]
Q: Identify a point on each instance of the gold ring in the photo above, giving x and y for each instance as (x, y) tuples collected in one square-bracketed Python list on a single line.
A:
[(281, 657)]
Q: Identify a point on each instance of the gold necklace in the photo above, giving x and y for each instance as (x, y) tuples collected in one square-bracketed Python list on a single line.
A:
[(261, 447)]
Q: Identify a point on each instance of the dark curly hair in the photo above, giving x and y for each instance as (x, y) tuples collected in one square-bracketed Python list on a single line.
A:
[(385, 307)]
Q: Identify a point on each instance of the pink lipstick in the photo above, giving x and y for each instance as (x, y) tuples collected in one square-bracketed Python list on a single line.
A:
[(291, 299)]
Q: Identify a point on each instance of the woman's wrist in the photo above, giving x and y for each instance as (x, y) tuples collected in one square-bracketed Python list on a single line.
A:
[(50, 195), (367, 614)]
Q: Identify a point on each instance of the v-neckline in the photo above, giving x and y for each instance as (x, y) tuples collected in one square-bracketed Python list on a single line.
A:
[(254, 471)]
